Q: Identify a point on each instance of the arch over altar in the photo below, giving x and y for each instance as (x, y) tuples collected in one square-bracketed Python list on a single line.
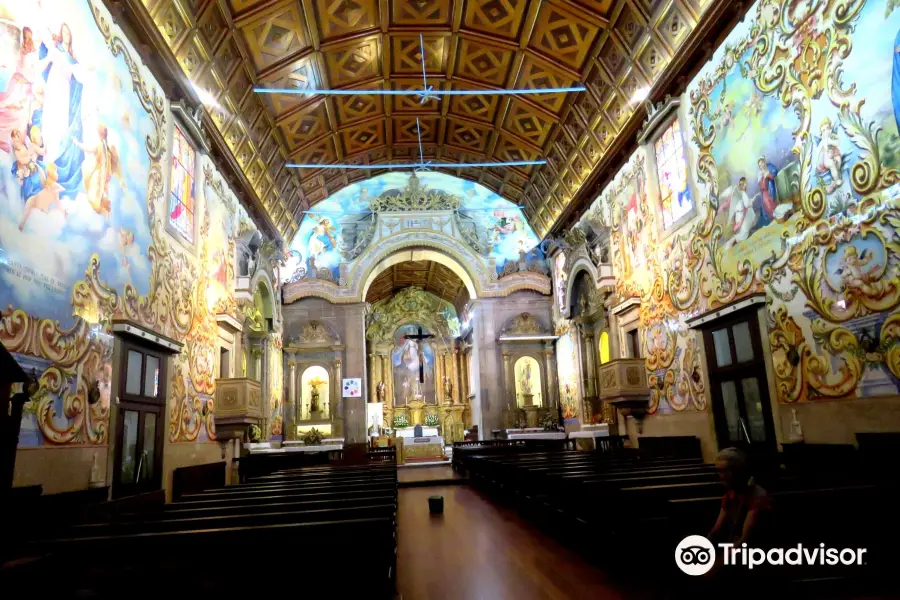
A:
[(349, 238), (414, 368)]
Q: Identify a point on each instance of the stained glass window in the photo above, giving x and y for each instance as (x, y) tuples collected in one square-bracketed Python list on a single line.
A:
[(672, 172), (181, 196)]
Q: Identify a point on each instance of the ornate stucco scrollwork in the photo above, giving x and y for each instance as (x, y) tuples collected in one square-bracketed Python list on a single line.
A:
[(524, 324), (414, 197), (411, 305)]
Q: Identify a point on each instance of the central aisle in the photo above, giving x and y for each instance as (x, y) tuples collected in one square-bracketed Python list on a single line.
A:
[(481, 551)]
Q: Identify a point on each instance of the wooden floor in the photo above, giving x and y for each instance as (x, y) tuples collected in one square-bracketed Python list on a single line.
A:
[(421, 474), (479, 550)]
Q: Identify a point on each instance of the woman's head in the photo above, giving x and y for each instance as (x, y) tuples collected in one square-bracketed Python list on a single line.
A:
[(733, 468), (65, 38)]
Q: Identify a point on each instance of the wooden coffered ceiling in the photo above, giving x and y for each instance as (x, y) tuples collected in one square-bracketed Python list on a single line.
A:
[(433, 277), (614, 47)]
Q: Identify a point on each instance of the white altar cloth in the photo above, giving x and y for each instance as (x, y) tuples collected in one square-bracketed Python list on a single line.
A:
[(325, 441), (546, 435), (258, 445), (289, 449), (526, 430), (408, 432), (425, 439), (591, 434)]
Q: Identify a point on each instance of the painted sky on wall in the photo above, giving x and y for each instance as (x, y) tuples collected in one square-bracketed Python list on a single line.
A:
[(320, 231), (73, 162)]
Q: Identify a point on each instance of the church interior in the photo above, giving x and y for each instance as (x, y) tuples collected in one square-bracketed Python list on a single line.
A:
[(449, 299)]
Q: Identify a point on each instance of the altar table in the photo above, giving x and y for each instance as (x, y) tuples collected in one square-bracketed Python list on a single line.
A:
[(547, 435), (421, 449), (591, 435), (408, 432), (289, 449)]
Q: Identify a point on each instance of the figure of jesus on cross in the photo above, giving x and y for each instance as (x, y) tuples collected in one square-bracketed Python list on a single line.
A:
[(415, 353)]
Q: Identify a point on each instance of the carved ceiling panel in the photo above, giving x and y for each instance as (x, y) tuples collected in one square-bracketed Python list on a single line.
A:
[(614, 47), (431, 276)]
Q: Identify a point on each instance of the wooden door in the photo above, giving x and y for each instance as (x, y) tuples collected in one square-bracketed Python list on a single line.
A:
[(738, 383), (141, 422)]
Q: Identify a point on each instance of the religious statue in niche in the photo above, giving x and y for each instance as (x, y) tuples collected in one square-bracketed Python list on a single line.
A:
[(380, 391), (314, 395), (448, 388), (527, 389)]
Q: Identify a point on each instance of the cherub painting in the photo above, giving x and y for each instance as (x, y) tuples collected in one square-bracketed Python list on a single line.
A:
[(46, 198), (860, 272), (829, 159)]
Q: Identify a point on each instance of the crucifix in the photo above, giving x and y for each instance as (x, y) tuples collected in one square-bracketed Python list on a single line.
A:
[(422, 336)]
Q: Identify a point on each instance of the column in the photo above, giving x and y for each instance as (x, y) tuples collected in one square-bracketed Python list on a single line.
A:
[(509, 394), (464, 376), (590, 363), (373, 396), (264, 385), (338, 413), (439, 378), (454, 359), (550, 368), (389, 383), (290, 411)]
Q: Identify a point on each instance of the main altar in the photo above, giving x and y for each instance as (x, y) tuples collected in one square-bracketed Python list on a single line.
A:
[(415, 370)]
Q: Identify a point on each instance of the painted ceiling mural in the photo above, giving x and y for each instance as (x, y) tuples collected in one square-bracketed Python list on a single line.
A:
[(337, 230), (794, 154), (84, 169)]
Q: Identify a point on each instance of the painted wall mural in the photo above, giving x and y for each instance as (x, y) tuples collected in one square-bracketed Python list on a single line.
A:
[(84, 166), (334, 229), (794, 154)]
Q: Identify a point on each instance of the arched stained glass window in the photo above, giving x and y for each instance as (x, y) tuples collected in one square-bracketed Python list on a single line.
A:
[(672, 172), (181, 189)]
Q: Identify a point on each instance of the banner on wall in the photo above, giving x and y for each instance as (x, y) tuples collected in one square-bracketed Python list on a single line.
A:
[(352, 388)]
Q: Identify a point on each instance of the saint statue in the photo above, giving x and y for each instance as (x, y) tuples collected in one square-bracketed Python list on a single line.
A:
[(314, 399), (380, 391), (448, 388)]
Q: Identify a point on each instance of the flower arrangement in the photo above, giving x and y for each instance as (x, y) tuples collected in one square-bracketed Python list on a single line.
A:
[(548, 422), (401, 421), (254, 433), (431, 420), (313, 437)]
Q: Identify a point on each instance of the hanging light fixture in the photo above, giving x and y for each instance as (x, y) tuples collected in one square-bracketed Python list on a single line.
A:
[(425, 94)]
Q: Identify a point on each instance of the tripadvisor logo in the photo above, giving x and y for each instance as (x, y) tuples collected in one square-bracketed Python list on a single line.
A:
[(696, 555)]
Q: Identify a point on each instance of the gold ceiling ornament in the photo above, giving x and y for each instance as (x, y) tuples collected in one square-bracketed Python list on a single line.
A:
[(415, 197)]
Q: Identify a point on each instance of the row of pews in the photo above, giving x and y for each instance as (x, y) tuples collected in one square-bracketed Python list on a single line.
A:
[(629, 503), (324, 529)]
